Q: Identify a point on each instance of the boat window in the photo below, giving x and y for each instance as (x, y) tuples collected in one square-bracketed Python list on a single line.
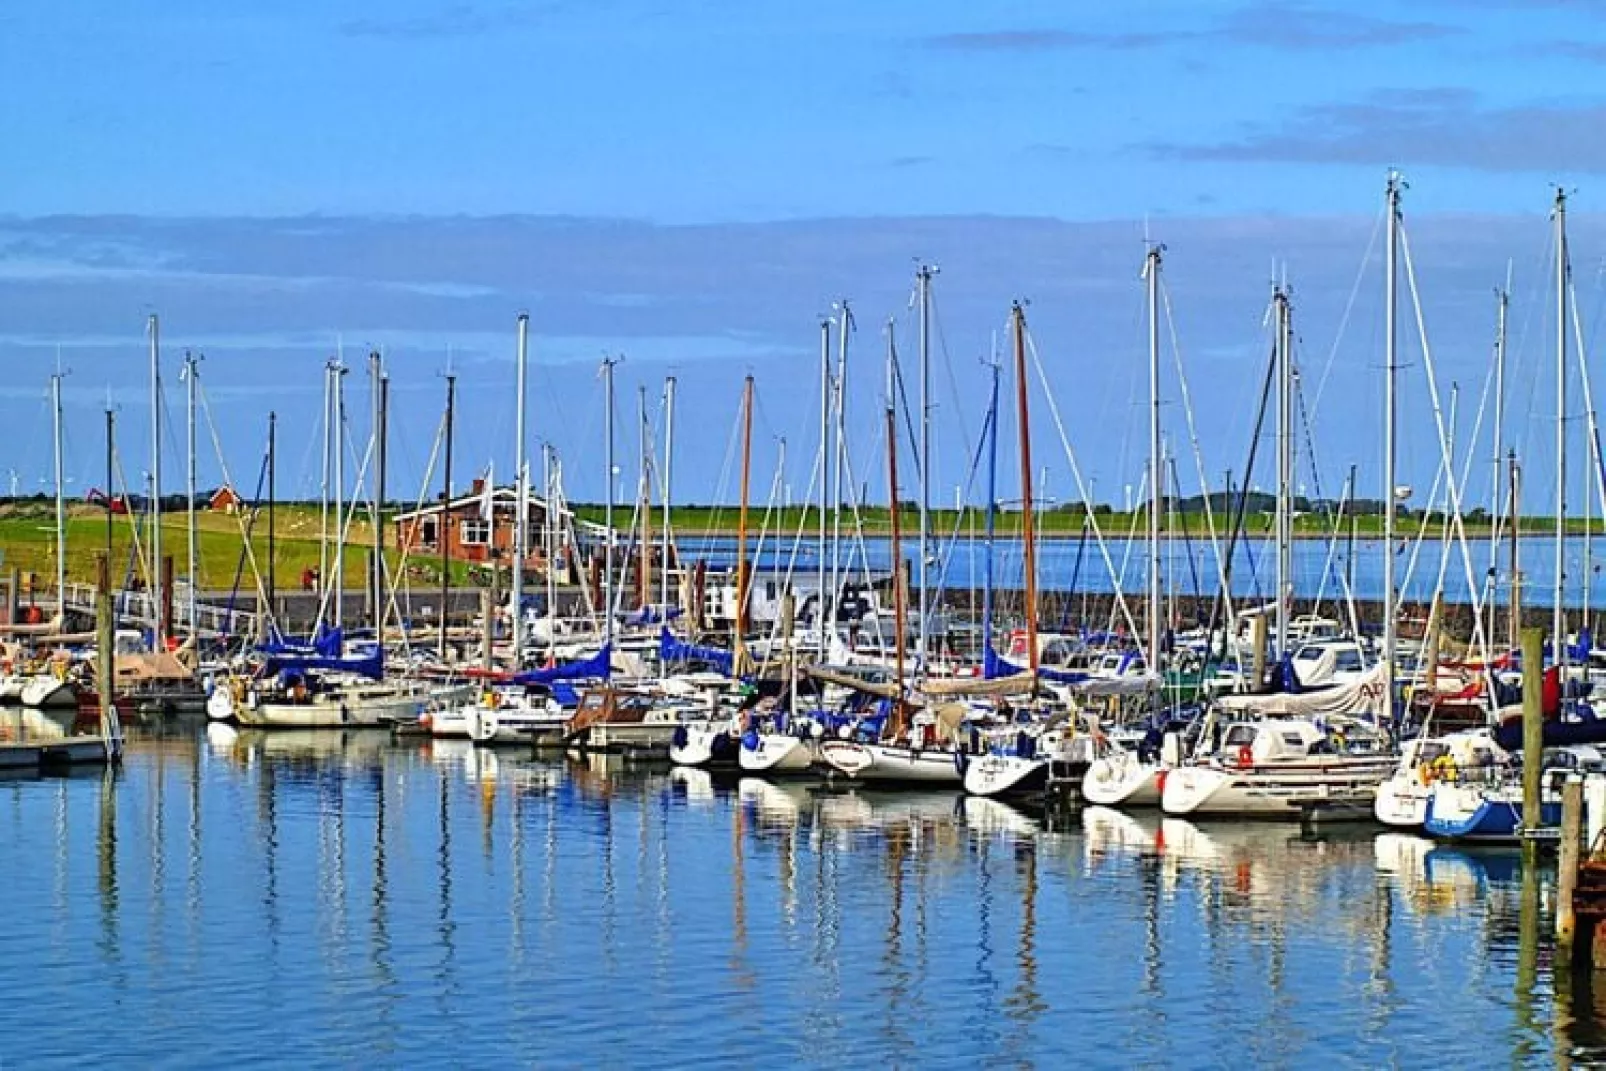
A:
[(1293, 740), (1309, 653), (1239, 735), (1348, 658), (1431, 750)]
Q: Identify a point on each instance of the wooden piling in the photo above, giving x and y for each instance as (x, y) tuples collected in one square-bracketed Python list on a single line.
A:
[(1533, 676), (1572, 824), (1259, 679)]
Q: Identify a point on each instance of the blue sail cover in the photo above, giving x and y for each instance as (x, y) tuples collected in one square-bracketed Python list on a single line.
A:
[(994, 666), (325, 643), (370, 665), (1577, 651), (1287, 679), (653, 615), (598, 665), (671, 651)]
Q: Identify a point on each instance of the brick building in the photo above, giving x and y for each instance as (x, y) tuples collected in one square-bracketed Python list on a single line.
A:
[(472, 536)]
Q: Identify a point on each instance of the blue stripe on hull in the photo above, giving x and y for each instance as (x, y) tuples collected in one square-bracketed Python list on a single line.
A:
[(1492, 822)]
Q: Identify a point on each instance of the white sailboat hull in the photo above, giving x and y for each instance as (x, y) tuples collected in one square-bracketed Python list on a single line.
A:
[(1000, 775), (892, 763), (1402, 801), (1342, 788), (1120, 780), (334, 710), (47, 690), (777, 753)]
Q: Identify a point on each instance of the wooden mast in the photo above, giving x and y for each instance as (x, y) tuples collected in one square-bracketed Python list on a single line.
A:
[(739, 662), (898, 597), (1018, 315)]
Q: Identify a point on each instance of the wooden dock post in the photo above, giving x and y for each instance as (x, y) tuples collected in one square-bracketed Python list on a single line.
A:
[(1533, 676), (106, 658), (488, 626), (1572, 825), (1259, 680)]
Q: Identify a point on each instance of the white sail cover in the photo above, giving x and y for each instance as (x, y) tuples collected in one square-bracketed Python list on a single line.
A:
[(1360, 699)]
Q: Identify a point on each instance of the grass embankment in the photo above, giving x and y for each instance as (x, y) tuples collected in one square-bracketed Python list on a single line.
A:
[(28, 542)]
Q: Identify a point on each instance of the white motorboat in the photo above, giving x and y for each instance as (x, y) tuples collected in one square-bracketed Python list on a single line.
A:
[(44, 690), (1122, 779), (1282, 768), (706, 743), (529, 718)]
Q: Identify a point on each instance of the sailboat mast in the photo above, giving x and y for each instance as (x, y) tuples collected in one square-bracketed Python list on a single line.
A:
[(324, 484), (61, 498), (521, 522), (1285, 469), (337, 442), (1496, 499), (923, 276), (898, 602), (669, 453), (156, 481), (823, 607), (607, 509), (382, 451), (992, 514), (191, 374), (645, 429), (1151, 271), (841, 466), (1558, 626), (1028, 534), (1390, 374), (111, 479), (441, 529), (273, 462), (740, 645)]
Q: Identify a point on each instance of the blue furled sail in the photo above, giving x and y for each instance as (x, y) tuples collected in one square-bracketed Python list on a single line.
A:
[(325, 643), (671, 651), (994, 666), (598, 665)]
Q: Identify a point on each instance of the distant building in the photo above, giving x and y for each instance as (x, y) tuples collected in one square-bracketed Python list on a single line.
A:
[(472, 536), (224, 500)]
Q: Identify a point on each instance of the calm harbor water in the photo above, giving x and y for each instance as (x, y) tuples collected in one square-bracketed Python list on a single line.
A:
[(337, 899), (1321, 568)]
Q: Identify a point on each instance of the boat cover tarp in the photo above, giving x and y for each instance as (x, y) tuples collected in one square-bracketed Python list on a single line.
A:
[(370, 665), (598, 665), (995, 666), (1019, 683), (883, 689), (1362, 697), (672, 651)]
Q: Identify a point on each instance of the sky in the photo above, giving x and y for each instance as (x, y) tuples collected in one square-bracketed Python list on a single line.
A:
[(694, 185)]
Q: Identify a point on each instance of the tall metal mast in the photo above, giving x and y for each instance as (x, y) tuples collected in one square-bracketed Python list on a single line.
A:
[(842, 467), (607, 510), (61, 501), (157, 600), (1151, 272), (1496, 499), (273, 464), (191, 374), (1028, 533), (669, 453), (1558, 626), (338, 442), (923, 279), (1390, 375), (823, 612), (1285, 467), (441, 530), (521, 523)]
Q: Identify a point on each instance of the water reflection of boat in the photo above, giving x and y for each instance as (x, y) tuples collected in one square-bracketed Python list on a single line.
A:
[(774, 803), (1475, 868), (985, 814), (1107, 831)]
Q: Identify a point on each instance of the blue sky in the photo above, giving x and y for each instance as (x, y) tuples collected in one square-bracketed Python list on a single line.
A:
[(694, 183)]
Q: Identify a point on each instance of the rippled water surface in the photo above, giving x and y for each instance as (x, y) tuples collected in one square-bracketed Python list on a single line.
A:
[(329, 898)]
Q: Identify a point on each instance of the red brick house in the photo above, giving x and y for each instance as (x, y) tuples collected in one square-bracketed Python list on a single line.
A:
[(471, 536)]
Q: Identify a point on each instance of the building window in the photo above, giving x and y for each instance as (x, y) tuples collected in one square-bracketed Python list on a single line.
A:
[(429, 531), (475, 533)]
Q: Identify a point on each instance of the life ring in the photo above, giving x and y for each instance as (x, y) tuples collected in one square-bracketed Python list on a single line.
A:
[(1246, 756)]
